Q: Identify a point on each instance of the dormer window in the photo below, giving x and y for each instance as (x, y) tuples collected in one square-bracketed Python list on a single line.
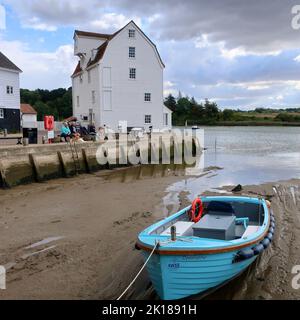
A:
[(131, 33)]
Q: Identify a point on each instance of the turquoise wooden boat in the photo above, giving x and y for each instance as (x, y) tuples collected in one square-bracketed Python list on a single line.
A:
[(205, 245)]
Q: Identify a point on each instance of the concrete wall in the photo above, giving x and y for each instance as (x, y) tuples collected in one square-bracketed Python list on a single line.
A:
[(21, 165)]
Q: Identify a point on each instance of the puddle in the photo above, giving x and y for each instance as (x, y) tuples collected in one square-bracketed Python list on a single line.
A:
[(43, 242)]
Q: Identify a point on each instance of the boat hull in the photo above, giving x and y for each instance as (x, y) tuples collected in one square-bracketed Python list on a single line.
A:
[(177, 277)]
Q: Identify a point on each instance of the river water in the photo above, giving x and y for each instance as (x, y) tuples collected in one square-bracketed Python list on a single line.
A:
[(247, 155)]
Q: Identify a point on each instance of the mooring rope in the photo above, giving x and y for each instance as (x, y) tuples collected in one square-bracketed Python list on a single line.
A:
[(143, 267)]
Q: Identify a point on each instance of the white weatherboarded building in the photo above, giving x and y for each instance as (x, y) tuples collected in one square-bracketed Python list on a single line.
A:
[(9, 95), (119, 78)]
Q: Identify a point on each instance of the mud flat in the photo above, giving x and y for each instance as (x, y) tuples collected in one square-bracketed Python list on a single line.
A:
[(74, 238)]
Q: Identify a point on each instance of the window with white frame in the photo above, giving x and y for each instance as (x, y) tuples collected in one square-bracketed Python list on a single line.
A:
[(9, 90), (1, 113), (12, 90), (81, 78), (147, 97), (148, 118), (131, 52), (132, 73), (93, 97), (131, 33)]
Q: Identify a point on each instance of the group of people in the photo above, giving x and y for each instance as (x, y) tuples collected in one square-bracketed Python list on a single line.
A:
[(72, 131)]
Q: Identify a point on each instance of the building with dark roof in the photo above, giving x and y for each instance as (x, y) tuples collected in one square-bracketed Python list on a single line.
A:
[(9, 95), (119, 80)]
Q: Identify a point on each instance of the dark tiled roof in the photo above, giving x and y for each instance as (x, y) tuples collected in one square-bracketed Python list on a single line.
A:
[(27, 108), (7, 64), (77, 70), (92, 34), (99, 55)]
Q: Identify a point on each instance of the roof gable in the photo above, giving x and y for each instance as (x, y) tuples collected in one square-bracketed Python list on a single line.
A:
[(101, 49), (5, 63), (27, 109)]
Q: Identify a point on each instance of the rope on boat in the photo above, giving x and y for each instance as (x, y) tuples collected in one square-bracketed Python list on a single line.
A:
[(143, 267)]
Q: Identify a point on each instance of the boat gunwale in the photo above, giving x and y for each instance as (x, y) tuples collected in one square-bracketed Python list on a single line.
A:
[(182, 251)]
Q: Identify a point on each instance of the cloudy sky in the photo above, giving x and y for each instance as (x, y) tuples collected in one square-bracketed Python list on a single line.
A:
[(240, 53)]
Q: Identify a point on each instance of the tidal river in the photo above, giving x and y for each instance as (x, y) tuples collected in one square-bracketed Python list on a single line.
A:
[(247, 155)]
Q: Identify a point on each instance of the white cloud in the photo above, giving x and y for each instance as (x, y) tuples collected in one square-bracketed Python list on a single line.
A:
[(109, 21), (41, 69)]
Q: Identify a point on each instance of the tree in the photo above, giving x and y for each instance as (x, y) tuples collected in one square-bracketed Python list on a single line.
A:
[(228, 114), (171, 103)]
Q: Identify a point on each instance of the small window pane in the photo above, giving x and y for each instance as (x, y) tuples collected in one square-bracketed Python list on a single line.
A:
[(11, 90), (131, 52), (147, 118), (132, 73), (131, 33), (1, 114), (148, 97), (7, 90)]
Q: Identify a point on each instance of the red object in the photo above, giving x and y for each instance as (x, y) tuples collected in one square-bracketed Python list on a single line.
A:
[(197, 205), (49, 123)]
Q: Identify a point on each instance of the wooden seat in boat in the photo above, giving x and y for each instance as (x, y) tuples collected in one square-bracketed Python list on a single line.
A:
[(249, 231), (183, 228)]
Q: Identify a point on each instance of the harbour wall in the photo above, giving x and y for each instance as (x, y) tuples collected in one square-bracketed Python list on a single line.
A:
[(37, 163)]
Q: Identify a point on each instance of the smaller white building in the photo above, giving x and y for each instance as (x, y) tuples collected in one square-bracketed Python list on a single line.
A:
[(9, 95), (28, 116)]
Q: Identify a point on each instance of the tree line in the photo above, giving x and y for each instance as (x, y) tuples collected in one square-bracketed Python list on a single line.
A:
[(56, 102), (188, 110)]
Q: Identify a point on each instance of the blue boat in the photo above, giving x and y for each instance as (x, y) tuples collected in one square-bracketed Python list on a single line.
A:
[(206, 244)]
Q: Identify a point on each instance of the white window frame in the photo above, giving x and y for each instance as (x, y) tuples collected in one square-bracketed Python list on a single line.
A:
[(147, 97), (132, 72), (1, 113), (148, 119), (131, 52), (131, 33), (11, 90)]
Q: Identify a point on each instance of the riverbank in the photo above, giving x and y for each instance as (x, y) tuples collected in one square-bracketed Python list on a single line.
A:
[(89, 225)]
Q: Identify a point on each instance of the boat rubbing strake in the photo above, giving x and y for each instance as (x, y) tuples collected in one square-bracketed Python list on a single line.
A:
[(206, 244)]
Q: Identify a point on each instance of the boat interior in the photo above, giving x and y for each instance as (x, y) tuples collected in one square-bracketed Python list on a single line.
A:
[(220, 220)]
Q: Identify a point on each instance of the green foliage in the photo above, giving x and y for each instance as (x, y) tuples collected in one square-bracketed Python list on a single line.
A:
[(57, 102)]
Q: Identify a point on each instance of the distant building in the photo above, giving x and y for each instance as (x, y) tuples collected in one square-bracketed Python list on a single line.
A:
[(119, 79), (9, 95), (28, 116)]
